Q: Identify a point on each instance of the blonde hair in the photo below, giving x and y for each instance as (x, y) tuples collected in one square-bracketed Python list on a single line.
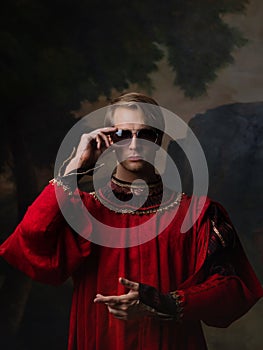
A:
[(134, 100)]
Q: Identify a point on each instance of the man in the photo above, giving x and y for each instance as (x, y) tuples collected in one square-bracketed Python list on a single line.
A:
[(142, 293)]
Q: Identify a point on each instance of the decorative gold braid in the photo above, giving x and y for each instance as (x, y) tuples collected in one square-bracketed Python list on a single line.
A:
[(59, 180), (179, 305), (137, 212), (166, 317), (218, 234), (59, 183)]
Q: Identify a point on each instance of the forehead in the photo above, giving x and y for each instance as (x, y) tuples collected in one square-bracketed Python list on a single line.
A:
[(126, 116)]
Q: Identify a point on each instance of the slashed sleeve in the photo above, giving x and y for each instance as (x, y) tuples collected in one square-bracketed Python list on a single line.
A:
[(223, 290), (230, 287), (43, 245)]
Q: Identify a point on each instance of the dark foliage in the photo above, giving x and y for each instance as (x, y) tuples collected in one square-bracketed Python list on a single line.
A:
[(55, 53)]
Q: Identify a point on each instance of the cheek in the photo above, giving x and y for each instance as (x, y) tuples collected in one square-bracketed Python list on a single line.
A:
[(150, 150), (120, 153)]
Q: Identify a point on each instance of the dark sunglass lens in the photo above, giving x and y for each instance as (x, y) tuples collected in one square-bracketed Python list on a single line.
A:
[(121, 135), (147, 134)]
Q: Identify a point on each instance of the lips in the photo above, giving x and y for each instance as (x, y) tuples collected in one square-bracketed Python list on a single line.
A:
[(135, 158)]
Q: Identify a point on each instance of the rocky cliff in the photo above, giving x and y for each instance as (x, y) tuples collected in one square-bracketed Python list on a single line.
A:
[(232, 139)]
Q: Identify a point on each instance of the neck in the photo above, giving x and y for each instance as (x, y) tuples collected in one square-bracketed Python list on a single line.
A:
[(148, 175)]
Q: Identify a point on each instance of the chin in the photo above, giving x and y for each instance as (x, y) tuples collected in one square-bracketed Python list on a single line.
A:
[(134, 167)]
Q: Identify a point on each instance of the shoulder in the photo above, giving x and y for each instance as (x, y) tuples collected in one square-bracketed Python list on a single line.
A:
[(87, 196), (195, 209), (215, 218), (222, 229), (203, 206), (203, 211)]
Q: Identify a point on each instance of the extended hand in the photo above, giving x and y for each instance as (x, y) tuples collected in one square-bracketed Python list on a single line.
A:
[(126, 306)]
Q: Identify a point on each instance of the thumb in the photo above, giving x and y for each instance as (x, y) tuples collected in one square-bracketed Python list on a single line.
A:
[(129, 284)]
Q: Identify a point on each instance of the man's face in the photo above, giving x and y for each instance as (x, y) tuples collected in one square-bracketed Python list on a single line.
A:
[(138, 155)]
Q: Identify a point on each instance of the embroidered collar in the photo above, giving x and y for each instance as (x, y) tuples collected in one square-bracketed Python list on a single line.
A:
[(126, 198), (136, 188)]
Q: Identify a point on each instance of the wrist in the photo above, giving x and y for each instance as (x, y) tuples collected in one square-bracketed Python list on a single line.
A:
[(68, 184), (168, 305)]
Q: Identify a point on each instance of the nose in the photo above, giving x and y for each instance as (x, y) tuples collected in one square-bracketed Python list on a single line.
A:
[(134, 142)]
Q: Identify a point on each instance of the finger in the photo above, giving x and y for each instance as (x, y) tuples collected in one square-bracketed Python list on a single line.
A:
[(84, 141), (108, 129), (129, 284), (99, 298), (98, 141), (87, 137), (92, 134), (107, 300), (102, 140), (108, 132), (117, 313), (116, 300), (105, 138), (123, 306)]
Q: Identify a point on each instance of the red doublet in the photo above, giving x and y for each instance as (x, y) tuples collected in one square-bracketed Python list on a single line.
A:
[(46, 248)]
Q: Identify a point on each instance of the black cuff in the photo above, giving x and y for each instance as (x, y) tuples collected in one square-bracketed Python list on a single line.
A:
[(163, 303)]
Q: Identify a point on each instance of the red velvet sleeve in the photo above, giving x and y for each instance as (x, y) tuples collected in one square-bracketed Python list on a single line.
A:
[(43, 246), (230, 287), (218, 301)]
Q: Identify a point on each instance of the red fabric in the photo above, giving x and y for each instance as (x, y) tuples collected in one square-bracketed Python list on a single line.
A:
[(46, 248)]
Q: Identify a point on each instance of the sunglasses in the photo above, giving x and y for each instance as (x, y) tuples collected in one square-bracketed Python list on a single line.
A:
[(126, 135)]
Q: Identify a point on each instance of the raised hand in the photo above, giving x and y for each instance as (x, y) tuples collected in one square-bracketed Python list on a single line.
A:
[(90, 147)]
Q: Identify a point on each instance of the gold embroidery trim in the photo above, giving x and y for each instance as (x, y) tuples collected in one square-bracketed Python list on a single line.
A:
[(179, 305), (59, 183), (137, 212), (218, 234), (166, 317)]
